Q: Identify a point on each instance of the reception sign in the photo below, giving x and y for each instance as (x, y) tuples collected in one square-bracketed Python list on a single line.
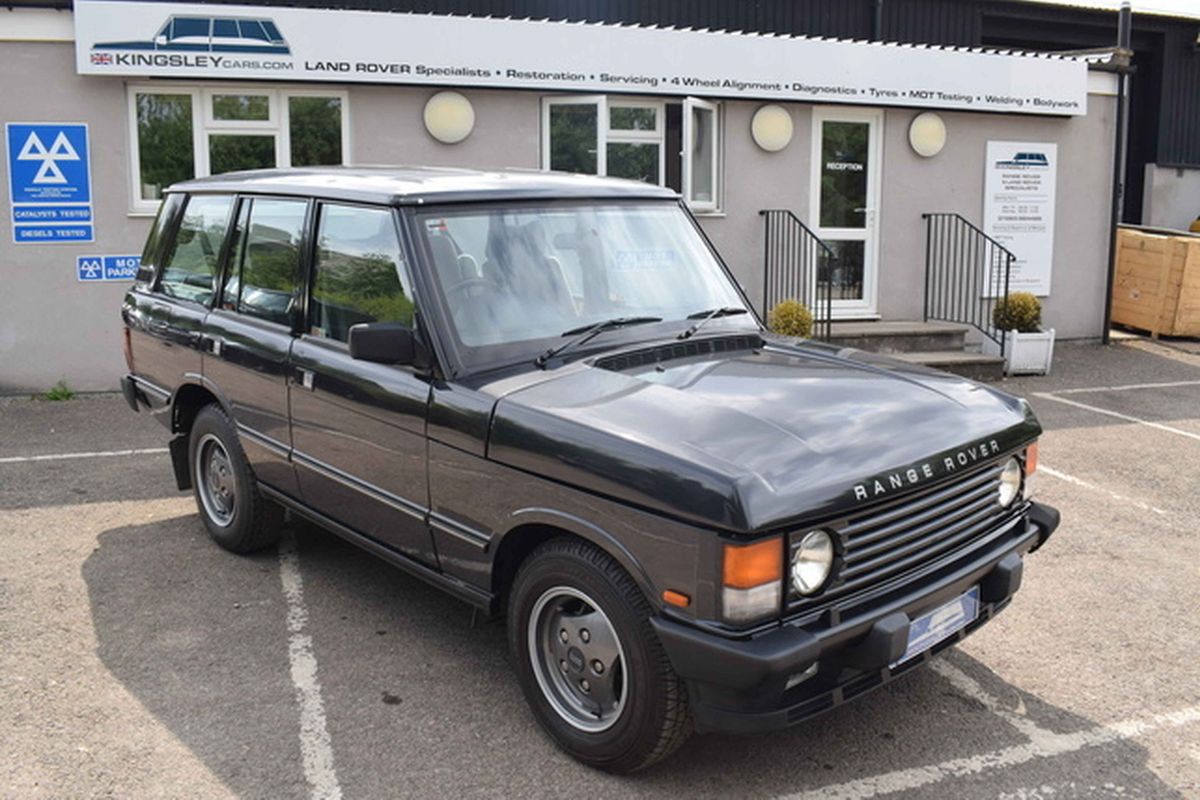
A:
[(1018, 209), (297, 44)]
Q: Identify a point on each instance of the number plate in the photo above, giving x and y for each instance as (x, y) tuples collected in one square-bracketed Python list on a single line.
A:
[(928, 629)]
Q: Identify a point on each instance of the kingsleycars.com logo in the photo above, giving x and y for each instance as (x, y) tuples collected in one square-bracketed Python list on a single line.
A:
[(189, 39)]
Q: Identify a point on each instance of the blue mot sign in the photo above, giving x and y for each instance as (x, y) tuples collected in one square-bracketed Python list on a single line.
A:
[(50, 182)]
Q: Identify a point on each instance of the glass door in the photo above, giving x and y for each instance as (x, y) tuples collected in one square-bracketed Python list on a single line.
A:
[(845, 203)]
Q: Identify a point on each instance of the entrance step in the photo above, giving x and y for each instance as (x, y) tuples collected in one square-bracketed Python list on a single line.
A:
[(975, 366), (899, 337), (941, 345)]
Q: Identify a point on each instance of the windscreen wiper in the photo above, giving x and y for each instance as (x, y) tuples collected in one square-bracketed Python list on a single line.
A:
[(586, 332), (703, 317)]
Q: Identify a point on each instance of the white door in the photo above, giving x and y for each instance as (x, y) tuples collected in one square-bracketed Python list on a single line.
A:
[(845, 203)]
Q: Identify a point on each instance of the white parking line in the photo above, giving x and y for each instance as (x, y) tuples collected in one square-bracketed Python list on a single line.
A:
[(315, 747), (145, 451), (971, 688), (1128, 387), (1045, 747), (1062, 476), (1118, 415)]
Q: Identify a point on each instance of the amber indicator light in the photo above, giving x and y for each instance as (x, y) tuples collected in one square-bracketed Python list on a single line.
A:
[(674, 598), (747, 566)]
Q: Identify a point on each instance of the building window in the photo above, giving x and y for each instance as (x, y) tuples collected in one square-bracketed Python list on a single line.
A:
[(181, 132), (637, 139)]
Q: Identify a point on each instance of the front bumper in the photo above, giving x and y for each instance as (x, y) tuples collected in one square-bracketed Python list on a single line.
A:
[(742, 686)]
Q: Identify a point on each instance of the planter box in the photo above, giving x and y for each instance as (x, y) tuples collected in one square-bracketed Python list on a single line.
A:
[(1157, 283), (1028, 353)]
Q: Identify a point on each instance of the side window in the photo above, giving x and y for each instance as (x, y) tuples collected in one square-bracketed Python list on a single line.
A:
[(357, 275), (190, 267), (266, 259)]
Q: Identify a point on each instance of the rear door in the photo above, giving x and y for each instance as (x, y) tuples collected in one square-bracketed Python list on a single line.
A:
[(358, 427), (248, 336), (165, 322)]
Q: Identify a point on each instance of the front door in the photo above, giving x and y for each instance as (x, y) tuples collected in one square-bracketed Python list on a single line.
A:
[(359, 427), (845, 204)]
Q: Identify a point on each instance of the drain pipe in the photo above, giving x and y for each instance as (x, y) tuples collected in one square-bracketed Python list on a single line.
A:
[(878, 21), (1124, 68)]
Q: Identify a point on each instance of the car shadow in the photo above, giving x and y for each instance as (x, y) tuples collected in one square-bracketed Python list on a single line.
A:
[(421, 702)]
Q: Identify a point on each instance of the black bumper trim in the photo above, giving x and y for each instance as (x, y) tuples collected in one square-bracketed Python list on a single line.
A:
[(1046, 519), (131, 393), (741, 686)]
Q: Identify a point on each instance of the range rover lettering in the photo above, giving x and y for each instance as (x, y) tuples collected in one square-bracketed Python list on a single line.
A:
[(547, 395)]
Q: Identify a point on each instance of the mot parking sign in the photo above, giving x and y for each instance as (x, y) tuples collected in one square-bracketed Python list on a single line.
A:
[(50, 183)]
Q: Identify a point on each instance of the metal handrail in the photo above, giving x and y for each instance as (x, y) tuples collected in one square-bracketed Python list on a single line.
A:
[(798, 265), (966, 273)]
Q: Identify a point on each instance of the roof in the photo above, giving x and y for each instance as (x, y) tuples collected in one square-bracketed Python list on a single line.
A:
[(418, 185), (1180, 9)]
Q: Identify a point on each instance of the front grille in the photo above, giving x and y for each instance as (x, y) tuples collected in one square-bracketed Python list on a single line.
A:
[(889, 541)]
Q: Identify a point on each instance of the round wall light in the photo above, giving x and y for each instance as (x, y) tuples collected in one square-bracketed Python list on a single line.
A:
[(449, 117), (771, 128), (927, 134)]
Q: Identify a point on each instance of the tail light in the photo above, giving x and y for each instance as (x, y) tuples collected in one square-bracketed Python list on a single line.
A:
[(128, 349)]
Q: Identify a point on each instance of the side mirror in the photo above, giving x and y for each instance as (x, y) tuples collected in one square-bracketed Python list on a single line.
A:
[(383, 343)]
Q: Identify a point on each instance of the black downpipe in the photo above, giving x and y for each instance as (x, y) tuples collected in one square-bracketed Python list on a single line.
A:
[(1124, 68), (878, 33)]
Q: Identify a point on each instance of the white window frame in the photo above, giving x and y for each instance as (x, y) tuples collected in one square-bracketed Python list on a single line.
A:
[(605, 135), (657, 136), (687, 167), (278, 127), (601, 103), (238, 125)]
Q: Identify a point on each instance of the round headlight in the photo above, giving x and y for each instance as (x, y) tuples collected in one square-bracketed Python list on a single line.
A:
[(1010, 482), (812, 561)]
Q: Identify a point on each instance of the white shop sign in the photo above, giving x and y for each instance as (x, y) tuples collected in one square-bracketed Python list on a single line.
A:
[(1018, 209), (273, 43)]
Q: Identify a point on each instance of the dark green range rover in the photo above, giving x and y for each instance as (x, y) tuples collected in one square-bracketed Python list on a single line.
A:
[(546, 395)]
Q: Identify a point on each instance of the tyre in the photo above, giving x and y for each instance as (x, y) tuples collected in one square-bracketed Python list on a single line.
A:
[(236, 514), (589, 663)]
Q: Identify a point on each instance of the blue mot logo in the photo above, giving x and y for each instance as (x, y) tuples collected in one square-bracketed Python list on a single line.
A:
[(205, 35)]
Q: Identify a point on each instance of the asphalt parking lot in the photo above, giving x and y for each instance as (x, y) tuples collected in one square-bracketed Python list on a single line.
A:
[(139, 660)]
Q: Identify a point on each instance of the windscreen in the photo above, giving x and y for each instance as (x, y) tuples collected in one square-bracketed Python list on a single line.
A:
[(515, 279)]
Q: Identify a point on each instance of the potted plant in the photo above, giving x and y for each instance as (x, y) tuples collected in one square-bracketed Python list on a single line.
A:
[(790, 318), (1029, 348)]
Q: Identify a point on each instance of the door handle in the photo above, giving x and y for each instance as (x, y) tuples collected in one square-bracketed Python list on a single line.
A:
[(213, 345), (305, 378)]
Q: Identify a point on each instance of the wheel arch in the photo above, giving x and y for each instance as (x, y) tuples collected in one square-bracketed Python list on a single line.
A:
[(187, 400), (530, 527), (191, 396)]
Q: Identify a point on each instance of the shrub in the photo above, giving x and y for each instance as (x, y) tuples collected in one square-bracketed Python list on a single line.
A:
[(1019, 311), (790, 318)]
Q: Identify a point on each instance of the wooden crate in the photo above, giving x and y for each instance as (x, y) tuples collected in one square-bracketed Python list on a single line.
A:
[(1157, 286)]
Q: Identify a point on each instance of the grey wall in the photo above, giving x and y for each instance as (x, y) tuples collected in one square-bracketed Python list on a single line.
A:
[(954, 180), (1171, 198), (53, 327)]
